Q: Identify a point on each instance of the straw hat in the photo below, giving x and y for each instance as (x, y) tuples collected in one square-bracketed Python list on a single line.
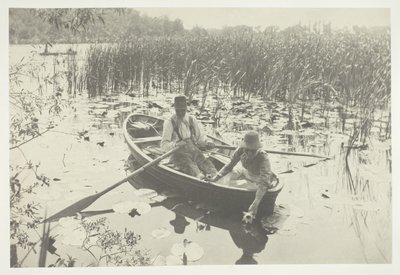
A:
[(180, 102), (251, 141)]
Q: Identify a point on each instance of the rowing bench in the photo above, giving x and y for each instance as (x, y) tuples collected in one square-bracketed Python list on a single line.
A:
[(146, 139)]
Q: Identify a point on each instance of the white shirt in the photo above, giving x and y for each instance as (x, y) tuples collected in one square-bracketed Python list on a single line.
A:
[(170, 138)]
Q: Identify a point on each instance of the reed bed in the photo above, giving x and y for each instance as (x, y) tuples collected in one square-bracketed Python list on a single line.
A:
[(343, 68)]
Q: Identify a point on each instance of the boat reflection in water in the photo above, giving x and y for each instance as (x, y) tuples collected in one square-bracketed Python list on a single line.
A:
[(250, 238)]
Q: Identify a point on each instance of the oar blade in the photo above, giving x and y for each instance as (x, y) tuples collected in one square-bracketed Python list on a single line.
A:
[(73, 209), (85, 202)]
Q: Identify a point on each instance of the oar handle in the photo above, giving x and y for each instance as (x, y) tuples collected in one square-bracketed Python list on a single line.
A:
[(137, 171), (276, 152)]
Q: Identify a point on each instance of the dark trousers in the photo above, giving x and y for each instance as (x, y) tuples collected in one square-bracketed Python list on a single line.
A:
[(190, 160)]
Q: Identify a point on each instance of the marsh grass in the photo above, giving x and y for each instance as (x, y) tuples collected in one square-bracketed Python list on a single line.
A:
[(350, 70)]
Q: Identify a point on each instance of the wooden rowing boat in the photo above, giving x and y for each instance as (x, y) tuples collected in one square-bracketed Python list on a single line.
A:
[(143, 135)]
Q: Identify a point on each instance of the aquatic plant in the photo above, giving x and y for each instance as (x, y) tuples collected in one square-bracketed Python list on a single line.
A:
[(34, 110), (25, 215), (297, 64), (31, 100), (117, 248)]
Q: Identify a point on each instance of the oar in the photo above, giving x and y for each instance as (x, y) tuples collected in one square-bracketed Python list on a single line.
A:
[(85, 202), (304, 166), (277, 152)]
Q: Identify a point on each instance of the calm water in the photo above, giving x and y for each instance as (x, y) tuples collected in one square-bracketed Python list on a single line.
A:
[(318, 219)]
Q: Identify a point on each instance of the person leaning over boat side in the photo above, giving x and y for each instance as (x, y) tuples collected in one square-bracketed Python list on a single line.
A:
[(184, 131), (255, 167)]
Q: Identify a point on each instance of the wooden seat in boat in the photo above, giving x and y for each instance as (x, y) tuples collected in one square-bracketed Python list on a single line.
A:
[(147, 139)]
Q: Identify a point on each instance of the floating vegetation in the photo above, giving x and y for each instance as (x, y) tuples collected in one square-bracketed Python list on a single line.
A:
[(345, 82), (284, 220), (160, 233), (127, 206), (187, 250), (123, 207)]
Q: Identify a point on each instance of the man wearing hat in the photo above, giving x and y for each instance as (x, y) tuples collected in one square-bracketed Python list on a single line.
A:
[(184, 131), (254, 167)]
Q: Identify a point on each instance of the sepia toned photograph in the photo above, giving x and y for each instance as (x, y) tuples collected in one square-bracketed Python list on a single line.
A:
[(193, 136)]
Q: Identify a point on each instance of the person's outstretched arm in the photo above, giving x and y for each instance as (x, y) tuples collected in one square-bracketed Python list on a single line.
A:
[(229, 166)]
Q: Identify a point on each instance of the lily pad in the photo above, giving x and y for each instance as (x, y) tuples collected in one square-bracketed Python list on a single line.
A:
[(75, 237), (69, 222), (160, 233), (72, 231), (142, 207), (128, 206), (192, 250), (123, 207), (147, 193)]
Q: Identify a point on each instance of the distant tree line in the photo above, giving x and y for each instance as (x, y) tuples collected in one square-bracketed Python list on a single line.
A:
[(36, 26)]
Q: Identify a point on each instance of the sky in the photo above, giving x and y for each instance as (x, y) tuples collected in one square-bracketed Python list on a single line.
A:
[(282, 17)]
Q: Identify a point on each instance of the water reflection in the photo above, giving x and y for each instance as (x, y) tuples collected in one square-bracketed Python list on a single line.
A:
[(361, 177), (179, 223), (250, 239)]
